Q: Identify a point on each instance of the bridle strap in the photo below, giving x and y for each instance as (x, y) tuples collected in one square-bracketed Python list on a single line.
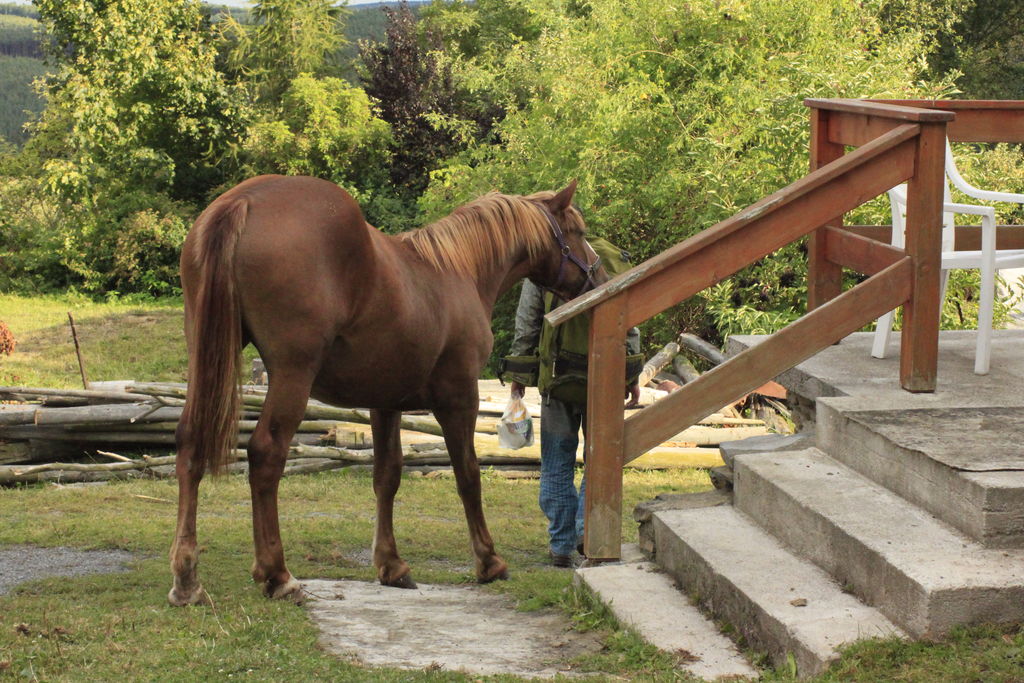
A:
[(589, 269)]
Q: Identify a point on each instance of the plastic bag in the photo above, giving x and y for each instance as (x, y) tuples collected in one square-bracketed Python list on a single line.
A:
[(515, 430)]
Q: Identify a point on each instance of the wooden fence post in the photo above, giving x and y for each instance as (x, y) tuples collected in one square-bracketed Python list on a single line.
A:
[(824, 278), (919, 349), (604, 433)]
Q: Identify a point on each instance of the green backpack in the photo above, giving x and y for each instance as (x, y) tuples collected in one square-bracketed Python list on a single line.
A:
[(559, 369)]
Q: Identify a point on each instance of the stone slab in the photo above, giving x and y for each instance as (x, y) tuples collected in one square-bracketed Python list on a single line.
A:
[(762, 444), (987, 506), (643, 597), (450, 628), (779, 603), (978, 439), (847, 369), (679, 501), (917, 570), (644, 511)]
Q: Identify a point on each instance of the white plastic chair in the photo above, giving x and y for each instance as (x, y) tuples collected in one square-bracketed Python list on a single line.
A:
[(988, 260)]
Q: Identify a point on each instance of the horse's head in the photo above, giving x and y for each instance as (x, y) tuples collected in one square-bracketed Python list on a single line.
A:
[(570, 267)]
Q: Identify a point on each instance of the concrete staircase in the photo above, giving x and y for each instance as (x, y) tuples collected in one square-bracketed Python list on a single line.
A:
[(891, 514)]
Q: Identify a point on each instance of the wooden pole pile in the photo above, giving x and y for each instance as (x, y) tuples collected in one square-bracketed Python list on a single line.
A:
[(766, 405), (41, 425)]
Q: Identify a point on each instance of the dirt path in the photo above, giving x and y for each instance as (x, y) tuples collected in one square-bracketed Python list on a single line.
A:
[(22, 563)]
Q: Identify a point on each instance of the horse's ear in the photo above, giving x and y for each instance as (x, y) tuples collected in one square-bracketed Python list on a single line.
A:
[(562, 200)]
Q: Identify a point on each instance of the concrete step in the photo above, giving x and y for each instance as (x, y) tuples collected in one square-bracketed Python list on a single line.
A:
[(779, 603), (962, 464), (642, 596), (917, 570)]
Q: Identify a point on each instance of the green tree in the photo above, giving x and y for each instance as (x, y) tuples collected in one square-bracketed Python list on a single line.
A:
[(306, 121), (988, 49), (327, 129), (412, 90), (982, 41), (135, 100), (934, 21), (134, 134), (484, 29), (286, 38)]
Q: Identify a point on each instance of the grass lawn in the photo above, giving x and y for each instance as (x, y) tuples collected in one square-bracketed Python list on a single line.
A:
[(118, 341), (119, 627), (131, 341)]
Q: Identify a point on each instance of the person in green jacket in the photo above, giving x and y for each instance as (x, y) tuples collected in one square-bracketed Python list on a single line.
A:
[(562, 384)]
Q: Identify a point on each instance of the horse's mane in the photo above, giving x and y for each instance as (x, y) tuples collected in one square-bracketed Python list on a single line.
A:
[(486, 230)]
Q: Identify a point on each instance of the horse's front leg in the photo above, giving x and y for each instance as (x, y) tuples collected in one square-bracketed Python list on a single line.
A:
[(459, 425), (387, 476)]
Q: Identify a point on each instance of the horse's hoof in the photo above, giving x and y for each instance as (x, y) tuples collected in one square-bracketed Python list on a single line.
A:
[(499, 573), (404, 581), (197, 596), (290, 590)]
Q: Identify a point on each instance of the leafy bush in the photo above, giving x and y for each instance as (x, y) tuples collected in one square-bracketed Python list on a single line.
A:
[(145, 253), (33, 232), (128, 243)]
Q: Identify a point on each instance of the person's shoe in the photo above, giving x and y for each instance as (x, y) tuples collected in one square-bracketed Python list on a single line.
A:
[(564, 561), (579, 549)]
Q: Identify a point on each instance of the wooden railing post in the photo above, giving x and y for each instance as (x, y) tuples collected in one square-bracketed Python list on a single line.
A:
[(919, 350), (602, 538), (824, 278)]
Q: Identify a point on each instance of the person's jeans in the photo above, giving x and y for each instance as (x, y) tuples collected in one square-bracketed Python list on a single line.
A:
[(562, 505)]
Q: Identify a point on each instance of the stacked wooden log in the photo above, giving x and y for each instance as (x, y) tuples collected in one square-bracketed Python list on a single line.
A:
[(90, 430), (767, 404)]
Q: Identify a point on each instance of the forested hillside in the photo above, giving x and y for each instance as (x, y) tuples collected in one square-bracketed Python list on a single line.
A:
[(18, 10), (17, 96), (20, 64), (19, 37)]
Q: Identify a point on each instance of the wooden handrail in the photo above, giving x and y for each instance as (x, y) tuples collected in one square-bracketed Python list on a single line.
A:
[(976, 120), (953, 105), (900, 111), (891, 170), (968, 237), (858, 253)]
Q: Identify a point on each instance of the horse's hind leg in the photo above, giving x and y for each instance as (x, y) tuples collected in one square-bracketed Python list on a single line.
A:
[(184, 553), (268, 450), (458, 426), (387, 475)]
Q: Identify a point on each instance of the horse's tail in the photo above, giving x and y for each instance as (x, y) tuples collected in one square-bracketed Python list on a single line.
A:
[(214, 332)]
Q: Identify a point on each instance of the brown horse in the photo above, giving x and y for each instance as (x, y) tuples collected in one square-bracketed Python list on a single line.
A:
[(354, 317)]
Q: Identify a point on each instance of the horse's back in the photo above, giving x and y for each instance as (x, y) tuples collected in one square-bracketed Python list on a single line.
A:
[(302, 252), (299, 209), (278, 212)]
